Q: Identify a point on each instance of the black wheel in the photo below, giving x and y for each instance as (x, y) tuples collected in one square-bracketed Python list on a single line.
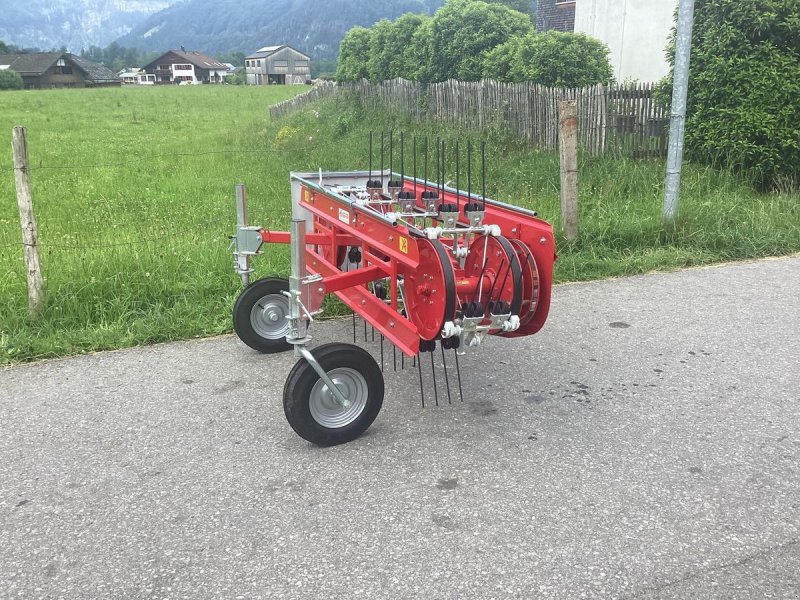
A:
[(259, 315), (313, 411)]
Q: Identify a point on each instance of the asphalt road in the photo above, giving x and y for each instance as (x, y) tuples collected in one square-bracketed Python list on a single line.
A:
[(644, 445)]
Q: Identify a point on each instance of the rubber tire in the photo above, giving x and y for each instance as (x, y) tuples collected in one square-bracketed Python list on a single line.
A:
[(303, 377), (243, 307)]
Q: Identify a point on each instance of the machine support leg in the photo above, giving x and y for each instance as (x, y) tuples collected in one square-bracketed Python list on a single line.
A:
[(242, 260), (297, 334)]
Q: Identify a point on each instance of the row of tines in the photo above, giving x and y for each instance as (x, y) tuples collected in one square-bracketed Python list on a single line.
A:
[(425, 150)]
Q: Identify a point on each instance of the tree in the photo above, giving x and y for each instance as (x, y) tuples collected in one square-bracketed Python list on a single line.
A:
[(3, 48), (744, 84), (389, 42), (465, 30), (523, 6), (353, 55), (10, 80), (553, 58)]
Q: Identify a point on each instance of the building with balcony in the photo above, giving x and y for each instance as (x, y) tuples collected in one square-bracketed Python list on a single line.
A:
[(181, 66)]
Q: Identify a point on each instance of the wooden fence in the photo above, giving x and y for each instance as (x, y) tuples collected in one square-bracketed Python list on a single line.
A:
[(619, 119)]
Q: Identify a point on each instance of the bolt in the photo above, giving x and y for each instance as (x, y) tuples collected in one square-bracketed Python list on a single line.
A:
[(542, 240), (391, 323), (391, 238)]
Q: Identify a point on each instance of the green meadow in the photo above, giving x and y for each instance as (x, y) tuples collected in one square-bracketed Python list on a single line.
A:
[(134, 196)]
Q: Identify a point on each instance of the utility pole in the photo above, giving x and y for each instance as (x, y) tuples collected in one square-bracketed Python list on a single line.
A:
[(677, 122)]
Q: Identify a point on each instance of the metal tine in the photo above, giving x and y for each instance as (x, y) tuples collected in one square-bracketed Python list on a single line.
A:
[(446, 378), (381, 352), (483, 171), (402, 361), (402, 156), (365, 330), (458, 182), (354, 327), (433, 372), (414, 145), (373, 332), (458, 372), (394, 357), (419, 368), (469, 170)]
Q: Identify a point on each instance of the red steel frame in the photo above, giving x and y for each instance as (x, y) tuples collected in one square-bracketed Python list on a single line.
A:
[(389, 249)]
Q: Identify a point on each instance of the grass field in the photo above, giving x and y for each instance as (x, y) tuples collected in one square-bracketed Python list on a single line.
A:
[(133, 190)]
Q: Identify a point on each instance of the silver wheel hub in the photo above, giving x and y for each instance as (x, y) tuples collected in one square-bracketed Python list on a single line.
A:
[(327, 410), (268, 317)]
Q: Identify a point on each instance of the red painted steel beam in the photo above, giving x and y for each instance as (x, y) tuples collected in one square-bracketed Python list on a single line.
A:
[(397, 329)]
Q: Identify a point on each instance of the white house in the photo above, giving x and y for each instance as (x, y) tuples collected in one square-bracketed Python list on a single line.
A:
[(636, 31)]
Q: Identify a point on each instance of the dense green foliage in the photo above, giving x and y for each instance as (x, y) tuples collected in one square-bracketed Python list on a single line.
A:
[(390, 47), (523, 6), (553, 58), (134, 221), (471, 39), (354, 55), (10, 80), (744, 90), (465, 30), (449, 45)]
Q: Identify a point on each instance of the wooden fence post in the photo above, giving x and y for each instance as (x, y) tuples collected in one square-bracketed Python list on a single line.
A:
[(30, 237), (568, 147)]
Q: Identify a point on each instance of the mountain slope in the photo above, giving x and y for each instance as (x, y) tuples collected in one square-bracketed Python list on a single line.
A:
[(215, 26), (76, 24)]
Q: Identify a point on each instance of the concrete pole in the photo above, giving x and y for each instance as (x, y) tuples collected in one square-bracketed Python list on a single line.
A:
[(677, 123)]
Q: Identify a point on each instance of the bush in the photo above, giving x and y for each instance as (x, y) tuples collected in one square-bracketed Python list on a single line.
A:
[(10, 80), (743, 110), (450, 45), (554, 59), (353, 55)]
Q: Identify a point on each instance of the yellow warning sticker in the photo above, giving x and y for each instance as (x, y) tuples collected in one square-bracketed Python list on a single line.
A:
[(403, 245), (306, 195)]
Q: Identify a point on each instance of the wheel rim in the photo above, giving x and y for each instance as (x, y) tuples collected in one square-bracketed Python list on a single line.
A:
[(268, 316), (324, 407)]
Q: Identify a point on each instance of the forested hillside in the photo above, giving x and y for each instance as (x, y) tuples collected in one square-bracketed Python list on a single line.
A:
[(314, 26)]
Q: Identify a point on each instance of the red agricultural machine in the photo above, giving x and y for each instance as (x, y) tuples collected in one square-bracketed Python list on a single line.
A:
[(425, 264)]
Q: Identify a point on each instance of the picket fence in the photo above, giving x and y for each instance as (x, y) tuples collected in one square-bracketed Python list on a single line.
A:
[(622, 119)]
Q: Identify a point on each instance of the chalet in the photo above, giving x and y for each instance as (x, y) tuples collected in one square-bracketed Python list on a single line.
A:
[(179, 66), (278, 65), (58, 70)]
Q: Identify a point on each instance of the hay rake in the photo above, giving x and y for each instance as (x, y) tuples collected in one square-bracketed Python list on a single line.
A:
[(423, 263)]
